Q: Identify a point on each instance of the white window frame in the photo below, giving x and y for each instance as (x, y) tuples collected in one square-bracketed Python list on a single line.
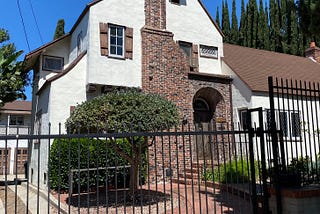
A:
[(110, 45), (60, 59)]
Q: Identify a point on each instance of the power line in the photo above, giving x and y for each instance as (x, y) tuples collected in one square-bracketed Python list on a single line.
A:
[(35, 20), (24, 27)]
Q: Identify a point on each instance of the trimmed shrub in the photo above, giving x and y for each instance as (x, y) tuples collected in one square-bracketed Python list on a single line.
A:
[(79, 155), (234, 171)]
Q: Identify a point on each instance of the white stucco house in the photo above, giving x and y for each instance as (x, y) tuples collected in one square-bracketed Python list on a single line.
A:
[(15, 118), (297, 109), (136, 43)]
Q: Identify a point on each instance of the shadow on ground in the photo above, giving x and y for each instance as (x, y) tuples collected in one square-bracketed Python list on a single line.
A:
[(113, 198)]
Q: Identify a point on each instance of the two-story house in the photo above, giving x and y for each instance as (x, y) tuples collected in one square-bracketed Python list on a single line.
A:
[(15, 118), (146, 44)]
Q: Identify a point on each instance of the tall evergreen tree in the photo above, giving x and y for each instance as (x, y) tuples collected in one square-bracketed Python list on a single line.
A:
[(261, 27), (234, 28), (242, 28), (252, 22), (266, 31), (293, 37), (218, 17), (226, 21), (59, 29)]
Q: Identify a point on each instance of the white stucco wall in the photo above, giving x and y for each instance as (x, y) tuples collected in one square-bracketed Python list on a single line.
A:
[(109, 71), (68, 90), (190, 23), (60, 49)]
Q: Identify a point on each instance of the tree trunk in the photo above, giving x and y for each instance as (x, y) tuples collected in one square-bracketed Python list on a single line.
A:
[(134, 175)]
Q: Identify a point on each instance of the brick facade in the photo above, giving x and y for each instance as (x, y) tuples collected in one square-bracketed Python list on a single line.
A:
[(166, 71)]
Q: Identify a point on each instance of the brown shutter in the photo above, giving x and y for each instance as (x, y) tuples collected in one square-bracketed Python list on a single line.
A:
[(195, 58), (104, 39), (129, 43)]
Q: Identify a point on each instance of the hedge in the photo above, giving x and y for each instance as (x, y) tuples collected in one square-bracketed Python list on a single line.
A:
[(85, 154)]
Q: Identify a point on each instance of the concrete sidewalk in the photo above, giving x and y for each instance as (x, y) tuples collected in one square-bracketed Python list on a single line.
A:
[(20, 198)]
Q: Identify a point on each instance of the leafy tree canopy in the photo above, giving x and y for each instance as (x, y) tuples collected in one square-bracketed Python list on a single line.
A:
[(13, 78), (126, 110)]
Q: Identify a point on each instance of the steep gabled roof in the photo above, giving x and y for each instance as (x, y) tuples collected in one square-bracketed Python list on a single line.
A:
[(31, 57), (253, 66)]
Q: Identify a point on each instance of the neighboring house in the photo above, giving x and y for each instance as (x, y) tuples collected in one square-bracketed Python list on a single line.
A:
[(15, 118), (250, 68), (169, 47)]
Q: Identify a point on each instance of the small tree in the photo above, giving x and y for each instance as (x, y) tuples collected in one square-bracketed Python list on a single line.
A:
[(127, 111), (12, 76), (59, 29)]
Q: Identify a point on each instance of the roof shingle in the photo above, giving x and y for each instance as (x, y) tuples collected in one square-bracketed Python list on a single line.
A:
[(253, 66)]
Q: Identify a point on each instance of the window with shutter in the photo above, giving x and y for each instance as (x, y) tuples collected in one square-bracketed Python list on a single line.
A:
[(116, 41), (191, 51)]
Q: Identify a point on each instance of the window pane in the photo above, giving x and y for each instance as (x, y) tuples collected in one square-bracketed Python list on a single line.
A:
[(113, 31), (120, 32), (295, 120), (113, 40), (113, 50), (283, 120), (119, 51), (119, 41)]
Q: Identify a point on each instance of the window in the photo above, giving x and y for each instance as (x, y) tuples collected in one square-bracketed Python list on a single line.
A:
[(187, 48), (191, 51), (116, 41), (51, 63), (287, 121), (175, 1), (243, 119), (79, 43), (16, 120)]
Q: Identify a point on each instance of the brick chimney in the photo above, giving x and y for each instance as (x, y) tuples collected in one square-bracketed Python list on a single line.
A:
[(155, 14), (313, 52)]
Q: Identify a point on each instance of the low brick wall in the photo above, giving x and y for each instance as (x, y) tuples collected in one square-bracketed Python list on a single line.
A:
[(297, 200)]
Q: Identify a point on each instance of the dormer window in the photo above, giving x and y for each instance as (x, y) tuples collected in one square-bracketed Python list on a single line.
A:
[(52, 63)]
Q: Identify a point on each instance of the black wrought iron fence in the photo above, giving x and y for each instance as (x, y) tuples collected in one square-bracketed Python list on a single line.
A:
[(179, 172)]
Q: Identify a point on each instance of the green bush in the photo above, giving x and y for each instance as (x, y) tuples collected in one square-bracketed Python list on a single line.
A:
[(75, 154), (234, 171)]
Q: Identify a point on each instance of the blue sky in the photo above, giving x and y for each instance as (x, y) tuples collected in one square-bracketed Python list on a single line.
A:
[(47, 13)]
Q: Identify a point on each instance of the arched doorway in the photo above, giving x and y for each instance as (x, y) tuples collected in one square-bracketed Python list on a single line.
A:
[(205, 104)]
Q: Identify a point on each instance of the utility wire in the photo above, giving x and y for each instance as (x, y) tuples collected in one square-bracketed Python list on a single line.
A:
[(35, 20), (24, 27)]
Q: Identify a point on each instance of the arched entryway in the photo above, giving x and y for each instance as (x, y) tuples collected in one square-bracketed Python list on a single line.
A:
[(207, 103)]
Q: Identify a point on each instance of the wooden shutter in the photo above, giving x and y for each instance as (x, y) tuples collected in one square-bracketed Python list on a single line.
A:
[(195, 58), (129, 43), (104, 39)]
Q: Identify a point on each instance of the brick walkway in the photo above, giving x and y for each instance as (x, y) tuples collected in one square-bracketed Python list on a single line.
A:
[(184, 198)]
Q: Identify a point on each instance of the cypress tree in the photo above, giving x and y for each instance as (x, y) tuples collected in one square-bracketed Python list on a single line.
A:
[(218, 17), (293, 38), (266, 31), (226, 21), (59, 29), (234, 28), (242, 28), (261, 27), (272, 25)]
